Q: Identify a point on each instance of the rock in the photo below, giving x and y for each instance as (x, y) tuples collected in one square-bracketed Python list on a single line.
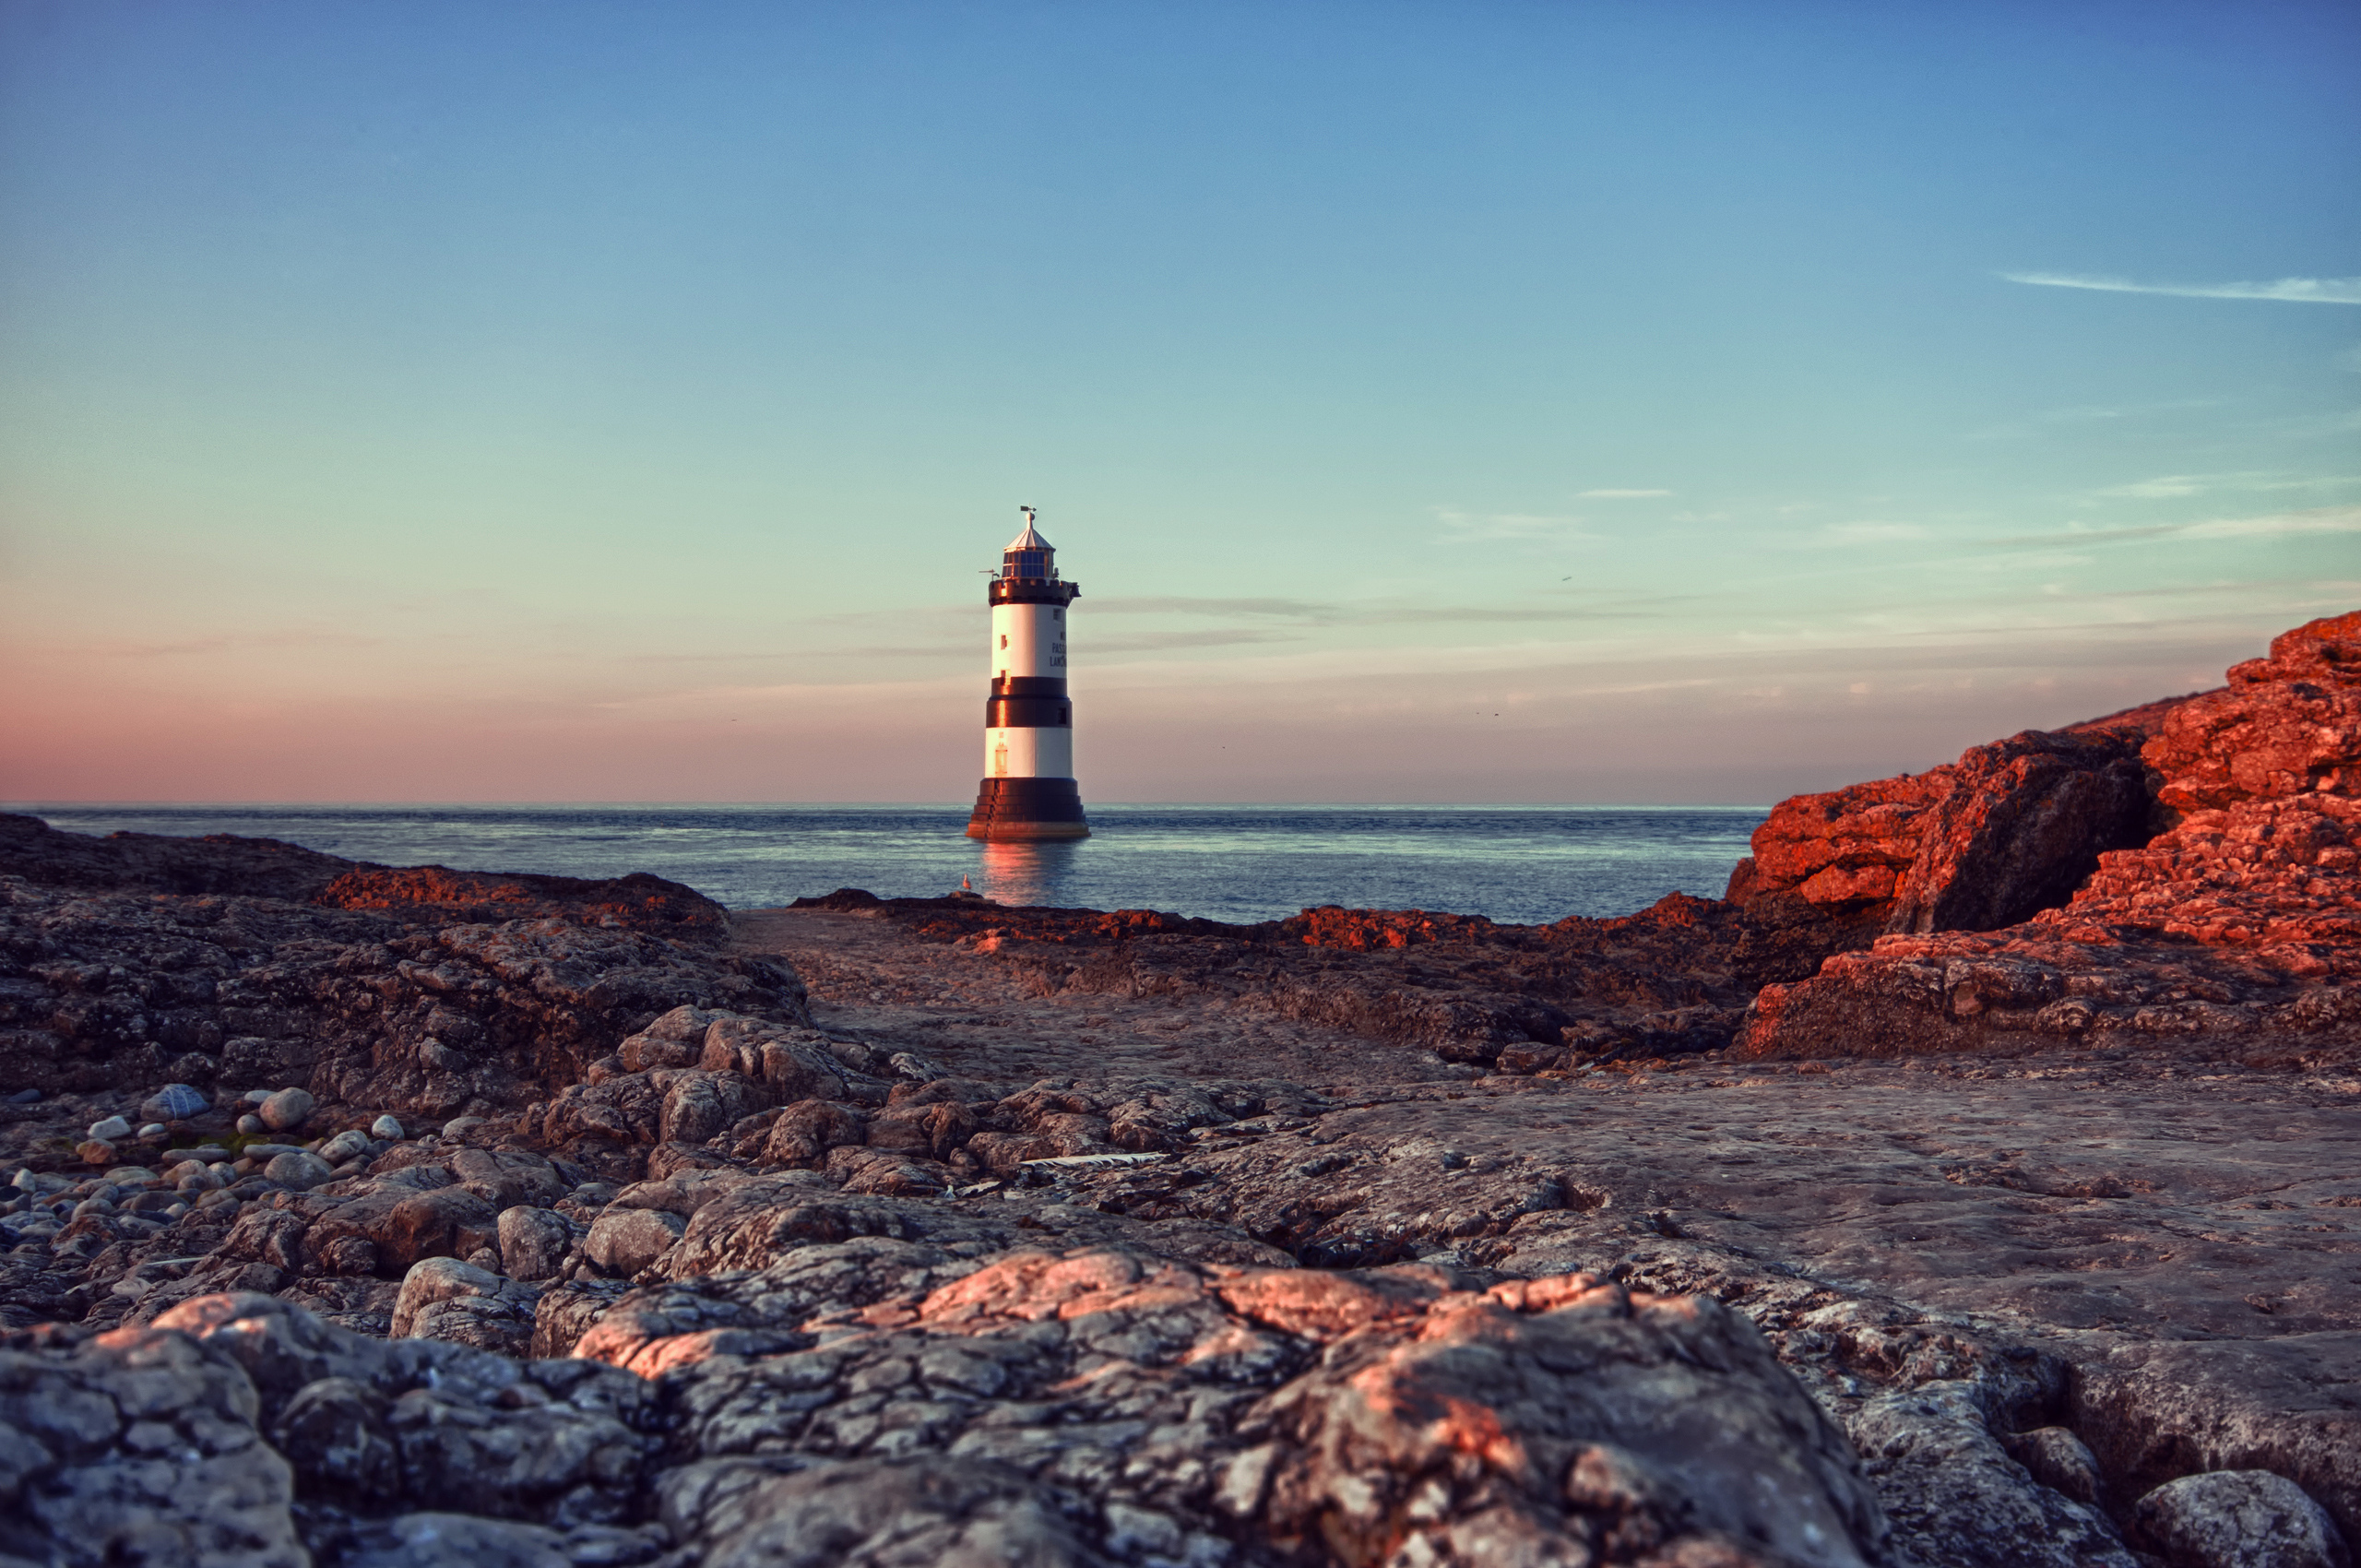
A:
[(336, 1433), (154, 1132), (2058, 1460), (385, 1129), (300, 1170), (348, 1145), (874, 1512), (94, 1151), (111, 1129), (138, 1445), (252, 1126), (2243, 919), (2285, 726), (2009, 829), (701, 1105), (458, 1540), (480, 1433), (286, 1110), (625, 1240), (458, 1127), (808, 1129), (2240, 1519), (174, 1102), (433, 1280), (1597, 1387), (533, 1243), (445, 1299)]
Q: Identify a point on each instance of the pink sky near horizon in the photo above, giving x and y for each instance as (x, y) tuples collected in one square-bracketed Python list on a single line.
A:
[(1688, 729)]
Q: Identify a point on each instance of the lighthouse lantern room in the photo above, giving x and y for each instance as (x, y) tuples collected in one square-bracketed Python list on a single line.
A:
[(1028, 791)]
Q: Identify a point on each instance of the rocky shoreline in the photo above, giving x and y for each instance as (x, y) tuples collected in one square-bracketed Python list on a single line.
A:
[(1974, 1184)]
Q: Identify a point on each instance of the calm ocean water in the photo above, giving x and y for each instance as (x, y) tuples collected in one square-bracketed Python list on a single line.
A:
[(1525, 864)]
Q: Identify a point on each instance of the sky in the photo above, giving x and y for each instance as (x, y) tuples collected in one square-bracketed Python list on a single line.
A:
[(1456, 402)]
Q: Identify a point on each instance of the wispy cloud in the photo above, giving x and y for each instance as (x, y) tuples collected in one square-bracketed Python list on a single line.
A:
[(1307, 614), (1157, 642), (1174, 604), (2303, 290), (2165, 486), (2273, 525), (1618, 495), (1467, 528)]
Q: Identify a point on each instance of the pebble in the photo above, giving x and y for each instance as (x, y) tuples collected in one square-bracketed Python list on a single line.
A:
[(345, 1146), (385, 1129), (25, 1180), (154, 1132), (460, 1126), (95, 1151), (252, 1125), (24, 1096), (286, 1110), (110, 1129), (173, 1102), (255, 1097), (297, 1169)]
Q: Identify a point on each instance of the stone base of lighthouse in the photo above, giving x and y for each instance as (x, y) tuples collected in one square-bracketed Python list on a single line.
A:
[(1020, 809)]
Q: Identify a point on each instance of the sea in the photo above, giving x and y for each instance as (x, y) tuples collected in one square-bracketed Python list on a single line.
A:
[(1520, 864)]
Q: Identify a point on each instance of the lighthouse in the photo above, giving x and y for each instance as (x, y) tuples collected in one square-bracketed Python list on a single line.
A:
[(1028, 791)]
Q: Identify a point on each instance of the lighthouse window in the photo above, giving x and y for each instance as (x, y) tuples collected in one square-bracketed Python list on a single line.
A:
[(1003, 639), (1057, 614)]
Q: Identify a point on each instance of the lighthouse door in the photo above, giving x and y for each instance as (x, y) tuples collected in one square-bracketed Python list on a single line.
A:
[(999, 760)]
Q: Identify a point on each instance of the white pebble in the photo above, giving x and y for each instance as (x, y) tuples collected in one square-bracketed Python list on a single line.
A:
[(386, 1130), (110, 1129)]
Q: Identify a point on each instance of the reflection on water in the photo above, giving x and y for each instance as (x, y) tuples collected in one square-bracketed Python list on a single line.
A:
[(1527, 864), (1026, 874)]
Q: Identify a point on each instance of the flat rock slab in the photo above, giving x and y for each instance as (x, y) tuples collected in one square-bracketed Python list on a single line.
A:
[(2185, 1233)]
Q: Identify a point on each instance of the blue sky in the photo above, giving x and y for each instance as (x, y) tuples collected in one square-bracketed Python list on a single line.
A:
[(1445, 402)]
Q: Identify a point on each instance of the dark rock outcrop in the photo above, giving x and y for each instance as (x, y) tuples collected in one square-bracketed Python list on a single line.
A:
[(2009, 829), (2243, 921)]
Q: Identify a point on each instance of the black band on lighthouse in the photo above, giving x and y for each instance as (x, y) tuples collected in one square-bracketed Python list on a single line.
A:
[(1005, 806), (1029, 686), (1028, 713)]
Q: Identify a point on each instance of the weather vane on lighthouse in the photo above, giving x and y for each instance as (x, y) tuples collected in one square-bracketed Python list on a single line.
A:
[(1028, 791)]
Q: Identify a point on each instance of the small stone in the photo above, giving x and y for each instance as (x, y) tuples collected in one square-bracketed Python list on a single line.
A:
[(345, 1146), (25, 1180), (485, 1259), (385, 1129), (24, 1097), (351, 1256), (286, 1110), (154, 1132), (95, 1151), (533, 1243), (437, 1279), (460, 1126), (625, 1240), (255, 1097), (252, 1125), (110, 1129), (300, 1170), (173, 1102), (2240, 1519)]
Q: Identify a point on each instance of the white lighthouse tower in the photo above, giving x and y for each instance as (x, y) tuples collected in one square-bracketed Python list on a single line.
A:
[(1029, 789)]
